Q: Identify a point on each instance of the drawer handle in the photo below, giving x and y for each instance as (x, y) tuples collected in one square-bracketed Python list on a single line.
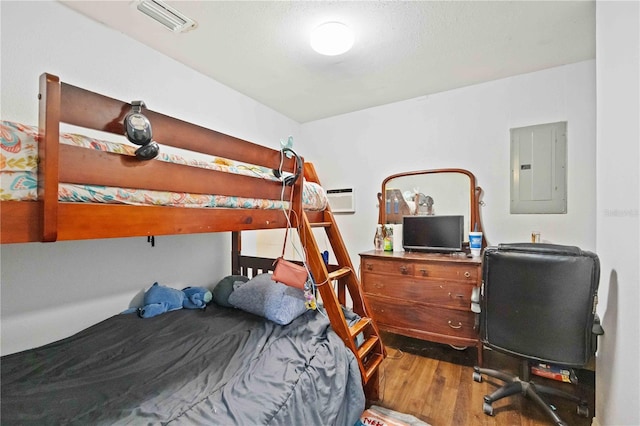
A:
[(459, 348), (424, 272), (467, 274), (403, 269), (456, 296), (455, 326), (378, 285), (369, 266)]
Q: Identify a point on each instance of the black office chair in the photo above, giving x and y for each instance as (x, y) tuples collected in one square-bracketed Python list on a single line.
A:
[(538, 303)]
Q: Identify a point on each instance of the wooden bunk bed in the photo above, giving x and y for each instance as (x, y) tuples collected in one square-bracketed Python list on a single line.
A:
[(50, 218)]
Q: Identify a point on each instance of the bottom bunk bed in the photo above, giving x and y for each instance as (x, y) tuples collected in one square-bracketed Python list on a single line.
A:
[(217, 366)]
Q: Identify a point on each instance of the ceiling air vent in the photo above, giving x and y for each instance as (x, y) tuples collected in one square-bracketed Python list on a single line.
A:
[(166, 15)]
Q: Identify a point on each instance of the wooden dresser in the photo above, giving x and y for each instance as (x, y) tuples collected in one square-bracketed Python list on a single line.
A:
[(423, 295)]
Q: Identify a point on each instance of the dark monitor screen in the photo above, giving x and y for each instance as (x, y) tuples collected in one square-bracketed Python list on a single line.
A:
[(433, 233)]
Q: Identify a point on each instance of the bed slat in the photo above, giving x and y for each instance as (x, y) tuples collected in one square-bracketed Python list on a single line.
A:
[(125, 171), (80, 221), (21, 221)]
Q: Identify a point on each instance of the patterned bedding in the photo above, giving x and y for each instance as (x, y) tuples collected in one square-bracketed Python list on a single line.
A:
[(19, 173)]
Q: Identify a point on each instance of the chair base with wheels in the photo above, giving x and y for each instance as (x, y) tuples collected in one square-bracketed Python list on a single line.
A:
[(522, 384)]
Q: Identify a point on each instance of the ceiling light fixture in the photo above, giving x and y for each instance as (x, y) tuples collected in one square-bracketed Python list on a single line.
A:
[(332, 38), (166, 15)]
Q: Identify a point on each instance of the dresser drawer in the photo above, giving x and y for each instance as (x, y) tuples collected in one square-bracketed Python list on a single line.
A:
[(399, 267), (450, 294), (447, 271), (443, 321), (435, 270)]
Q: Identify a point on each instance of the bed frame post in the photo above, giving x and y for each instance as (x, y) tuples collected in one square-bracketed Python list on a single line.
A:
[(236, 250), (48, 153)]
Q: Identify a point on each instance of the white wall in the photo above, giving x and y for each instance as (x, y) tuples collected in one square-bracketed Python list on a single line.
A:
[(465, 128), (618, 210), (49, 291)]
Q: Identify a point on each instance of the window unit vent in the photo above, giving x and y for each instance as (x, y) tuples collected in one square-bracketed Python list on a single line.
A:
[(166, 15), (342, 200)]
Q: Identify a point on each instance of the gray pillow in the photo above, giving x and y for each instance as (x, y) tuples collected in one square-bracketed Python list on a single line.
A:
[(270, 299), (224, 288)]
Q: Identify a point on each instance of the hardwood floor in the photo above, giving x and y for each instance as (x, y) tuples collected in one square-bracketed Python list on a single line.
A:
[(435, 383)]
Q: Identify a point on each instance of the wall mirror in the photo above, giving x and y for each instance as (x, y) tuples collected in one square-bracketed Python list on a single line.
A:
[(431, 192)]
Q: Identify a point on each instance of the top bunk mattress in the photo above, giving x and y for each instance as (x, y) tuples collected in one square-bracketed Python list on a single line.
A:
[(19, 176)]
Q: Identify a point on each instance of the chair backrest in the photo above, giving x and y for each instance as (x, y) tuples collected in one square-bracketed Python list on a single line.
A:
[(538, 301)]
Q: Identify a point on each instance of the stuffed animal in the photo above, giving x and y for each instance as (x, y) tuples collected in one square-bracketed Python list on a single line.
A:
[(160, 299), (424, 204), (196, 297)]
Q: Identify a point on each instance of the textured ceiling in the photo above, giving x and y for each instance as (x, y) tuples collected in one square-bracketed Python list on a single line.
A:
[(402, 50)]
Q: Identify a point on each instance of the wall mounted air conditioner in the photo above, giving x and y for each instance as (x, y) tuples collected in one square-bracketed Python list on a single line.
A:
[(342, 200)]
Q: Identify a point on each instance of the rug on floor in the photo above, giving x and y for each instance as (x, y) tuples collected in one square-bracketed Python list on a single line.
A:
[(380, 416)]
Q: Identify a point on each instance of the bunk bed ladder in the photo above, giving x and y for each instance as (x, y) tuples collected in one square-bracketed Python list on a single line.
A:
[(363, 337)]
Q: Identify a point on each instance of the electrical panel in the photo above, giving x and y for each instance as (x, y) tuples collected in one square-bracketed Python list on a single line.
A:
[(539, 168)]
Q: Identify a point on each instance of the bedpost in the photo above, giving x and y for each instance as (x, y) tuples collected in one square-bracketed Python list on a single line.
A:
[(236, 251), (48, 153)]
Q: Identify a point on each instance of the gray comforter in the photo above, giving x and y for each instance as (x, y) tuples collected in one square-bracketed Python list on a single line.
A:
[(221, 366)]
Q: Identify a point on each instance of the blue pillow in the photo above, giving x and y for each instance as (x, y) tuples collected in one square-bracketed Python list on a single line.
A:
[(270, 299)]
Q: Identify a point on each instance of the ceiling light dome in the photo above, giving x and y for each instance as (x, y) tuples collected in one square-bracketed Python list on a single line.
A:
[(332, 38)]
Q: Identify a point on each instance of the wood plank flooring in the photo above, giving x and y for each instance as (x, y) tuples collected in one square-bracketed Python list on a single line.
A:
[(435, 383)]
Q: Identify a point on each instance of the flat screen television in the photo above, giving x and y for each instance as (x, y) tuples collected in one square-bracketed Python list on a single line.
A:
[(440, 234)]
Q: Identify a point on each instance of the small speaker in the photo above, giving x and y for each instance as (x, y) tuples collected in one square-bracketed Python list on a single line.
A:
[(342, 200)]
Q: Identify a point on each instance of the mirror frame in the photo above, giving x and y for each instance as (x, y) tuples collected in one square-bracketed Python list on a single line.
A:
[(475, 193)]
